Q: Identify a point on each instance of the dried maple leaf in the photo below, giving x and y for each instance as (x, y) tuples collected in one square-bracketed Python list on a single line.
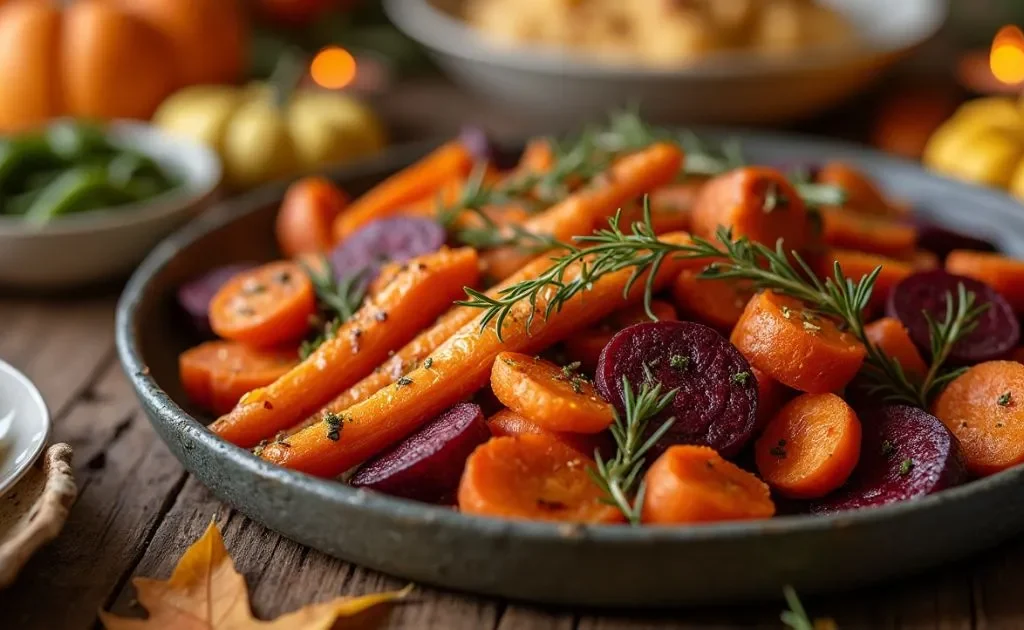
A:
[(205, 592)]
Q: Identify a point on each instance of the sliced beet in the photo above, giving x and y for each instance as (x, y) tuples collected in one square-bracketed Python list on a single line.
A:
[(394, 239), (716, 404), (997, 332), (427, 465), (941, 240), (905, 453), (195, 295)]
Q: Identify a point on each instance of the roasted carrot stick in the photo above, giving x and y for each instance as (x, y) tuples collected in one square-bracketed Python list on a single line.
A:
[(451, 161), (849, 230), (1005, 275), (717, 302), (856, 265), (693, 484), (507, 423), (810, 447), (537, 157), (588, 208), (533, 477), (414, 352), (216, 374), (862, 195), (795, 346), (384, 323), (556, 398), (461, 366)]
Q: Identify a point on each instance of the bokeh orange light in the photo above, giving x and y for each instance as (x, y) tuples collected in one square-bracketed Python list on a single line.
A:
[(1006, 58), (333, 68)]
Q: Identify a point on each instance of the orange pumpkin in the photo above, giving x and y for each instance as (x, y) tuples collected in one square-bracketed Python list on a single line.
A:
[(209, 36), (110, 58)]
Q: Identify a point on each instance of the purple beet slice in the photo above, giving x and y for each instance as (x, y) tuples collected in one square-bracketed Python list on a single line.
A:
[(716, 402), (997, 332), (195, 295), (941, 240), (905, 453), (427, 465), (393, 239)]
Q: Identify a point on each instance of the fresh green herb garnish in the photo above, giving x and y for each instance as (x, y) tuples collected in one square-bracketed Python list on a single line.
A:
[(741, 378), (679, 362), (428, 363), (887, 448), (795, 617), (334, 424), (403, 381), (619, 476), (906, 466), (1004, 399)]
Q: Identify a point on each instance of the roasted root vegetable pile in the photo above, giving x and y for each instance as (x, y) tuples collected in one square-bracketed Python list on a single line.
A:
[(628, 327)]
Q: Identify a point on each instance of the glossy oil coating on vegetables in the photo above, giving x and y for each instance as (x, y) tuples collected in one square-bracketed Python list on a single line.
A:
[(462, 287)]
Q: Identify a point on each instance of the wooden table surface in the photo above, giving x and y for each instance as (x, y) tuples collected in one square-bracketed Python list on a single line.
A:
[(137, 509)]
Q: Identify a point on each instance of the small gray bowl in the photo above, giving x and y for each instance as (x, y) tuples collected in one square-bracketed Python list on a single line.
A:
[(102, 244), (542, 562), (722, 88)]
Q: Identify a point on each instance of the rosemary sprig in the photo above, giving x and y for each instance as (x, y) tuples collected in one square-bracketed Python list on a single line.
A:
[(619, 477), (795, 617), (838, 297), (338, 300)]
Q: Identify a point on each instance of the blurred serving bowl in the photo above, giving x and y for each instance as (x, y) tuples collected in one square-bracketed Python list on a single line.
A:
[(736, 87), (102, 244)]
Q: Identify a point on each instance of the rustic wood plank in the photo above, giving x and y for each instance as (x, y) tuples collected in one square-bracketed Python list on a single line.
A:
[(125, 477), (997, 584), (60, 345), (518, 617)]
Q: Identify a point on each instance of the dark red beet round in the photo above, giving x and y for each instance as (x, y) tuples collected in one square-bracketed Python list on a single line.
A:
[(905, 453), (195, 295), (941, 240), (394, 239), (427, 465), (997, 333), (716, 404)]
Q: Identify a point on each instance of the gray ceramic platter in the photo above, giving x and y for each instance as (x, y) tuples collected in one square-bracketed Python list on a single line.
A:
[(594, 566)]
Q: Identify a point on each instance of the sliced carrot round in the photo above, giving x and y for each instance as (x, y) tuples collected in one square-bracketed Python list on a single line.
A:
[(856, 265), (922, 260), (756, 202), (849, 230), (266, 306), (810, 447), (216, 374), (532, 477), (557, 399), (507, 423), (771, 395), (795, 346), (693, 484), (586, 345), (891, 337), (305, 221), (1005, 275), (984, 408), (717, 302)]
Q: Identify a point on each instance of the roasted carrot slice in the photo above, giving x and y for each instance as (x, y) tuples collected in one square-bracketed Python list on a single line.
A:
[(756, 202), (795, 346), (588, 208), (856, 265), (891, 337), (449, 162), (384, 323), (507, 423), (556, 398), (771, 395), (693, 484), (984, 408), (267, 306), (862, 195), (537, 157), (810, 447), (216, 374), (586, 346), (1005, 275), (922, 260), (307, 213), (849, 230), (533, 477), (461, 366), (717, 302), (416, 351)]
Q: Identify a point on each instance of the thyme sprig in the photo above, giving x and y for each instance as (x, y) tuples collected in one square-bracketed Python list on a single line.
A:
[(619, 477), (838, 297)]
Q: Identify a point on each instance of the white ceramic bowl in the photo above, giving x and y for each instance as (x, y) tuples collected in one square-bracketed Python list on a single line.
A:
[(723, 88), (103, 244), (24, 425)]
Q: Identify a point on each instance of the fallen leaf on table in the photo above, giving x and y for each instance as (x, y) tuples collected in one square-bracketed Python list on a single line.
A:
[(205, 592)]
